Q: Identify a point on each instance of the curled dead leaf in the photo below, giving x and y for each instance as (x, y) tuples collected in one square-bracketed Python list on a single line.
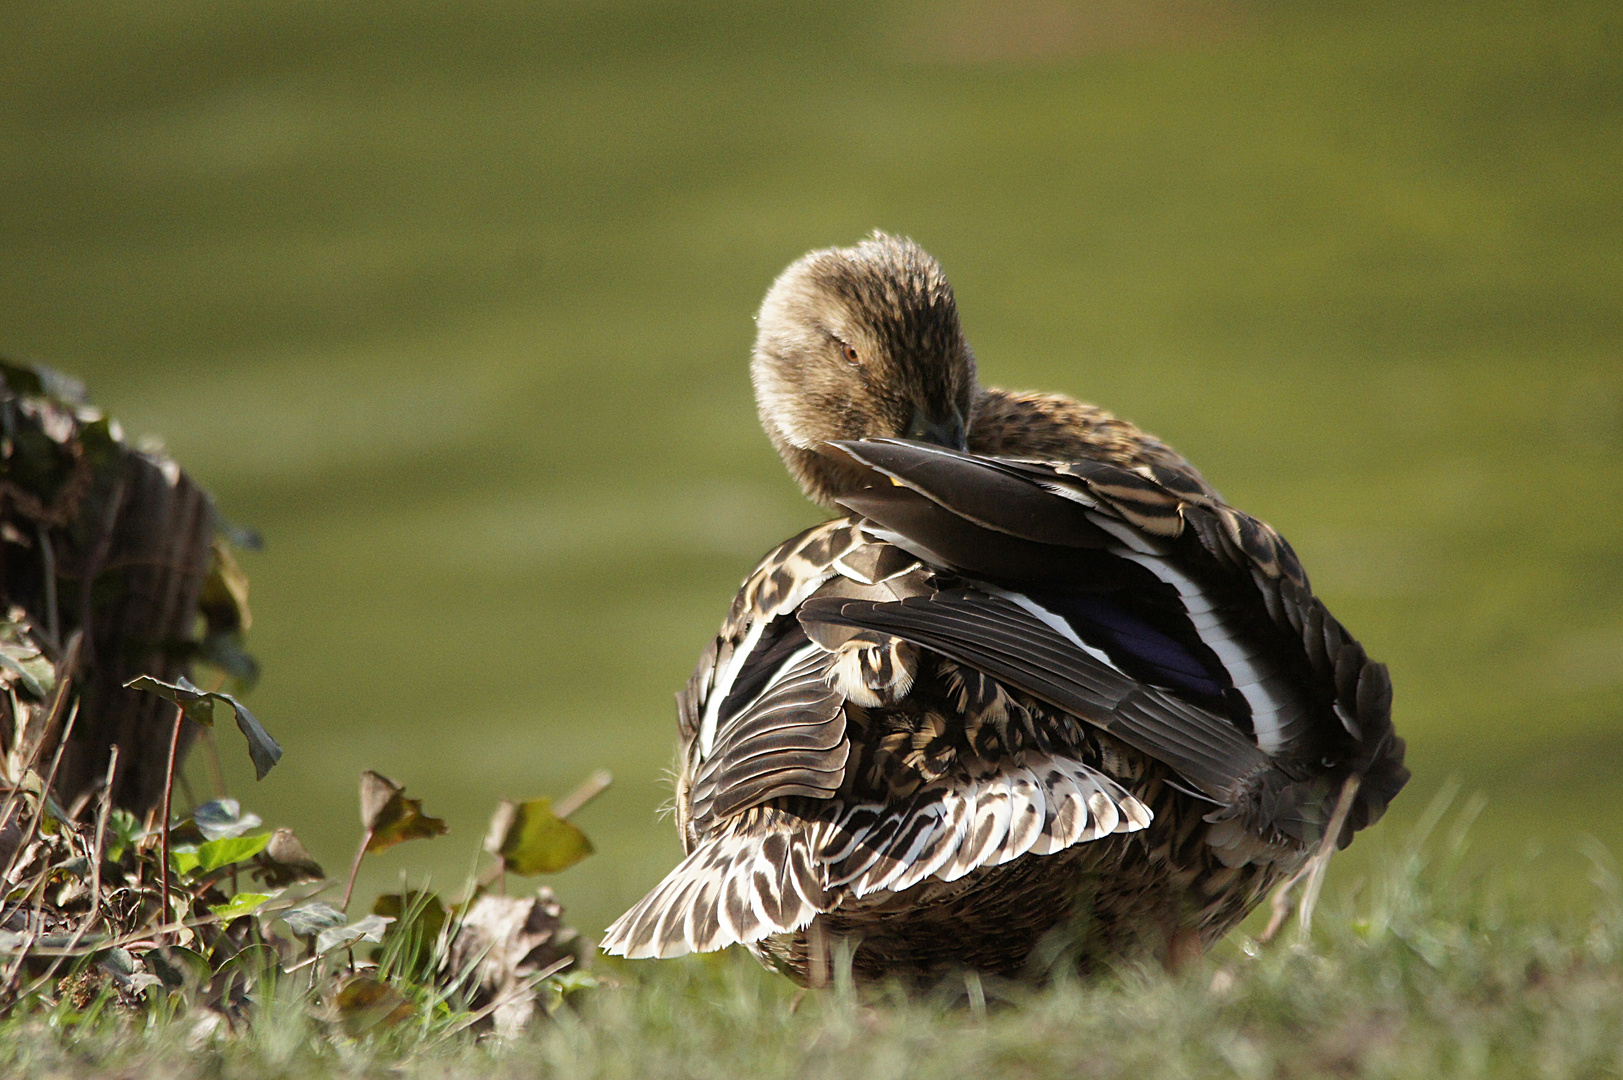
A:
[(389, 817), (285, 861)]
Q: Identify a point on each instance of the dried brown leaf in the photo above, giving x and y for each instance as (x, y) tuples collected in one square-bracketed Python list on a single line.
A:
[(389, 817), (285, 861)]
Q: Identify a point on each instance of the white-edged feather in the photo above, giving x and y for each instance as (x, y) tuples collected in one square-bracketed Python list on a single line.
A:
[(1272, 713), (741, 886)]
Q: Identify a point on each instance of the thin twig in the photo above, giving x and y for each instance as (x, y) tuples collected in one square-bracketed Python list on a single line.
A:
[(95, 882), (101, 827), (65, 671), (64, 683), (589, 789), (36, 927), (44, 795), (53, 621), (146, 934), (163, 823), (23, 954)]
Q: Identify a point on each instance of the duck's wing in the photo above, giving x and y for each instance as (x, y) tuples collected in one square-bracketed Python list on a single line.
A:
[(1151, 609), (758, 719), (763, 715), (772, 836)]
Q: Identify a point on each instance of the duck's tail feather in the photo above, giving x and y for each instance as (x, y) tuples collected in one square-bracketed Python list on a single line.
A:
[(774, 873), (736, 888), (1045, 806)]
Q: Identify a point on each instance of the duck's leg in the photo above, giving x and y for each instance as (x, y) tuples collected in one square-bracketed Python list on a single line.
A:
[(1184, 950), (817, 955)]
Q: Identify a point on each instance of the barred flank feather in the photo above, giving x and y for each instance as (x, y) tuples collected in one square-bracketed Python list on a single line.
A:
[(774, 873)]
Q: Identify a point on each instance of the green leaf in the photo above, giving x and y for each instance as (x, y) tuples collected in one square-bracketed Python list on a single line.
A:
[(264, 750), (125, 830), (229, 849), (220, 818), (254, 966), (370, 928), (537, 841), (183, 860), (18, 660), (198, 705), (312, 918), (178, 967), (241, 904)]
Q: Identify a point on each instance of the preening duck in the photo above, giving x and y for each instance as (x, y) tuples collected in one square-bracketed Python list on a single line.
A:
[(1038, 696)]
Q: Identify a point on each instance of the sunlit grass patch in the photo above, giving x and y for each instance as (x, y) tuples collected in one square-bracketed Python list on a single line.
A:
[(1429, 969)]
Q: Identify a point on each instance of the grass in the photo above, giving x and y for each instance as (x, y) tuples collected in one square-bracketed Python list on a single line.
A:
[(1428, 970), (452, 303)]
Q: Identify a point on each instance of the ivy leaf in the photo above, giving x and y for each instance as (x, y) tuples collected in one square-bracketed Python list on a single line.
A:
[(178, 967), (125, 830), (530, 839), (264, 750), (198, 705), (262, 747), (224, 596), (312, 918), (183, 860), (220, 818), (227, 850), (241, 904), (31, 669), (370, 928), (389, 817)]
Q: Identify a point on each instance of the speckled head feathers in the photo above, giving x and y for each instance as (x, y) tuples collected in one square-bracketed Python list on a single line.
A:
[(859, 342)]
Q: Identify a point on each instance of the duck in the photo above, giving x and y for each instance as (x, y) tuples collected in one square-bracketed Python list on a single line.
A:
[(1037, 698)]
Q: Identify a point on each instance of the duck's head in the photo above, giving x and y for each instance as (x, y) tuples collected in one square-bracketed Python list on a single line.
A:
[(859, 343)]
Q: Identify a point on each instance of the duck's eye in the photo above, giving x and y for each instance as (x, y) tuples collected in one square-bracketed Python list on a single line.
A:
[(850, 353)]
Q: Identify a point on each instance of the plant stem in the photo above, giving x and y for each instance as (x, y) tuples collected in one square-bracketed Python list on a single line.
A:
[(355, 868), (163, 822)]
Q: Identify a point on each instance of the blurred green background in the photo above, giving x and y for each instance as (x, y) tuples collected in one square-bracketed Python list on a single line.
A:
[(452, 301)]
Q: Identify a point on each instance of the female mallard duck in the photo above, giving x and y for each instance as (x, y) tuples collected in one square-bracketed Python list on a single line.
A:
[(1040, 693)]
